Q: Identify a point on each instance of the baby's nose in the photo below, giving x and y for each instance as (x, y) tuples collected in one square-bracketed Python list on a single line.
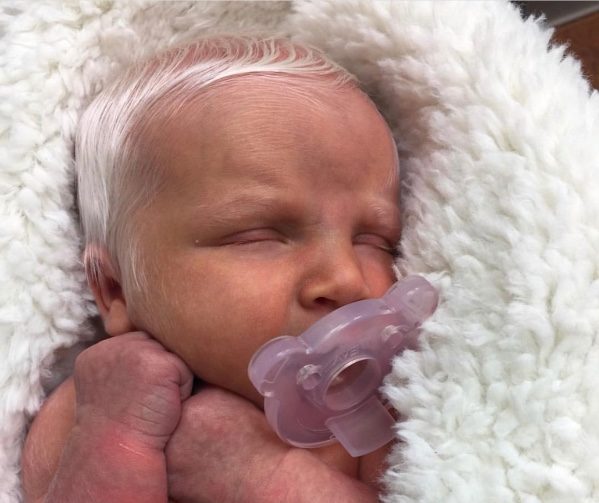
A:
[(334, 280)]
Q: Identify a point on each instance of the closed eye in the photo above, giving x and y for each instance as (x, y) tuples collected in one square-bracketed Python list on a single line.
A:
[(253, 236), (378, 242)]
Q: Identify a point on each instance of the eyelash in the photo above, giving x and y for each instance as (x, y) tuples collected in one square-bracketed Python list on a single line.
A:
[(254, 236), (264, 235), (387, 247)]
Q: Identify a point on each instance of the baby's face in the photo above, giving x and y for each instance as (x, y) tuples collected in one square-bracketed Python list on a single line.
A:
[(274, 213)]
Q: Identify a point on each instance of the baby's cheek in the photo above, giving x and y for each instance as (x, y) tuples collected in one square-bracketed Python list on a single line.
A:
[(377, 268)]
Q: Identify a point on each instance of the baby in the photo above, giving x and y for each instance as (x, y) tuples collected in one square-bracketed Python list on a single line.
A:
[(231, 191)]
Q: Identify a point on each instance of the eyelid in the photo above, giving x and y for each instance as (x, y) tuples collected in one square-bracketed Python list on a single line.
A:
[(253, 236), (370, 238)]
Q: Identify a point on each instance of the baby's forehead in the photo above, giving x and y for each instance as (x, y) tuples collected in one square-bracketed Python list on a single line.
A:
[(269, 135), (242, 108), (251, 91)]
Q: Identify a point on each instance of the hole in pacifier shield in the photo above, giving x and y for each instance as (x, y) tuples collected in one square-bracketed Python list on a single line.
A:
[(352, 383)]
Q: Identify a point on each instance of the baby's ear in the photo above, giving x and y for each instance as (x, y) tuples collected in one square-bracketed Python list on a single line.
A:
[(105, 284)]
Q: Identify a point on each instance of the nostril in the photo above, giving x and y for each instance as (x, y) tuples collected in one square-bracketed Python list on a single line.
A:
[(326, 303)]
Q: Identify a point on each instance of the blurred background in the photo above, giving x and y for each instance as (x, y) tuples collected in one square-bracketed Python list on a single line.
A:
[(577, 25)]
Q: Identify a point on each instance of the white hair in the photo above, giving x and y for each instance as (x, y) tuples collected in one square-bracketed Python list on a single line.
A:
[(115, 176)]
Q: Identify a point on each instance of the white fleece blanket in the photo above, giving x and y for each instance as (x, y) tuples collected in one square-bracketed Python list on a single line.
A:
[(499, 139)]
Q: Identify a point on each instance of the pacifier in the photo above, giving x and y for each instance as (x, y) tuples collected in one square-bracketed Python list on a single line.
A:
[(322, 385)]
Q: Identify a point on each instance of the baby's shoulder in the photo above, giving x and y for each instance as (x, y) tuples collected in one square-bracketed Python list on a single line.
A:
[(46, 440)]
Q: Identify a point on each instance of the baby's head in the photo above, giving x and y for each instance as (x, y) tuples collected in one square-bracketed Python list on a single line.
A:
[(231, 191)]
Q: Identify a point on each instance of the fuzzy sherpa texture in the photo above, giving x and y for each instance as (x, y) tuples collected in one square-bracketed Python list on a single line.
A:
[(499, 140)]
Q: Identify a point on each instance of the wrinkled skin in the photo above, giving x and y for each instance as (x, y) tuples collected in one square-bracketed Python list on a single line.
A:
[(273, 213)]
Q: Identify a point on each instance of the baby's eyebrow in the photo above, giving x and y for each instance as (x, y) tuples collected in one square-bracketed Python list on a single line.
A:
[(243, 205), (384, 215)]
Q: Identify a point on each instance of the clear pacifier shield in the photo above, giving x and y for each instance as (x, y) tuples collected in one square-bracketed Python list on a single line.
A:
[(323, 384)]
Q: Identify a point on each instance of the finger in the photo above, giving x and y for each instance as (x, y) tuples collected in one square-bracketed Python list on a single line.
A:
[(185, 379)]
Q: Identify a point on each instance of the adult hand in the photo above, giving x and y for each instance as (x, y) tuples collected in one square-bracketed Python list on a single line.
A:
[(223, 450)]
